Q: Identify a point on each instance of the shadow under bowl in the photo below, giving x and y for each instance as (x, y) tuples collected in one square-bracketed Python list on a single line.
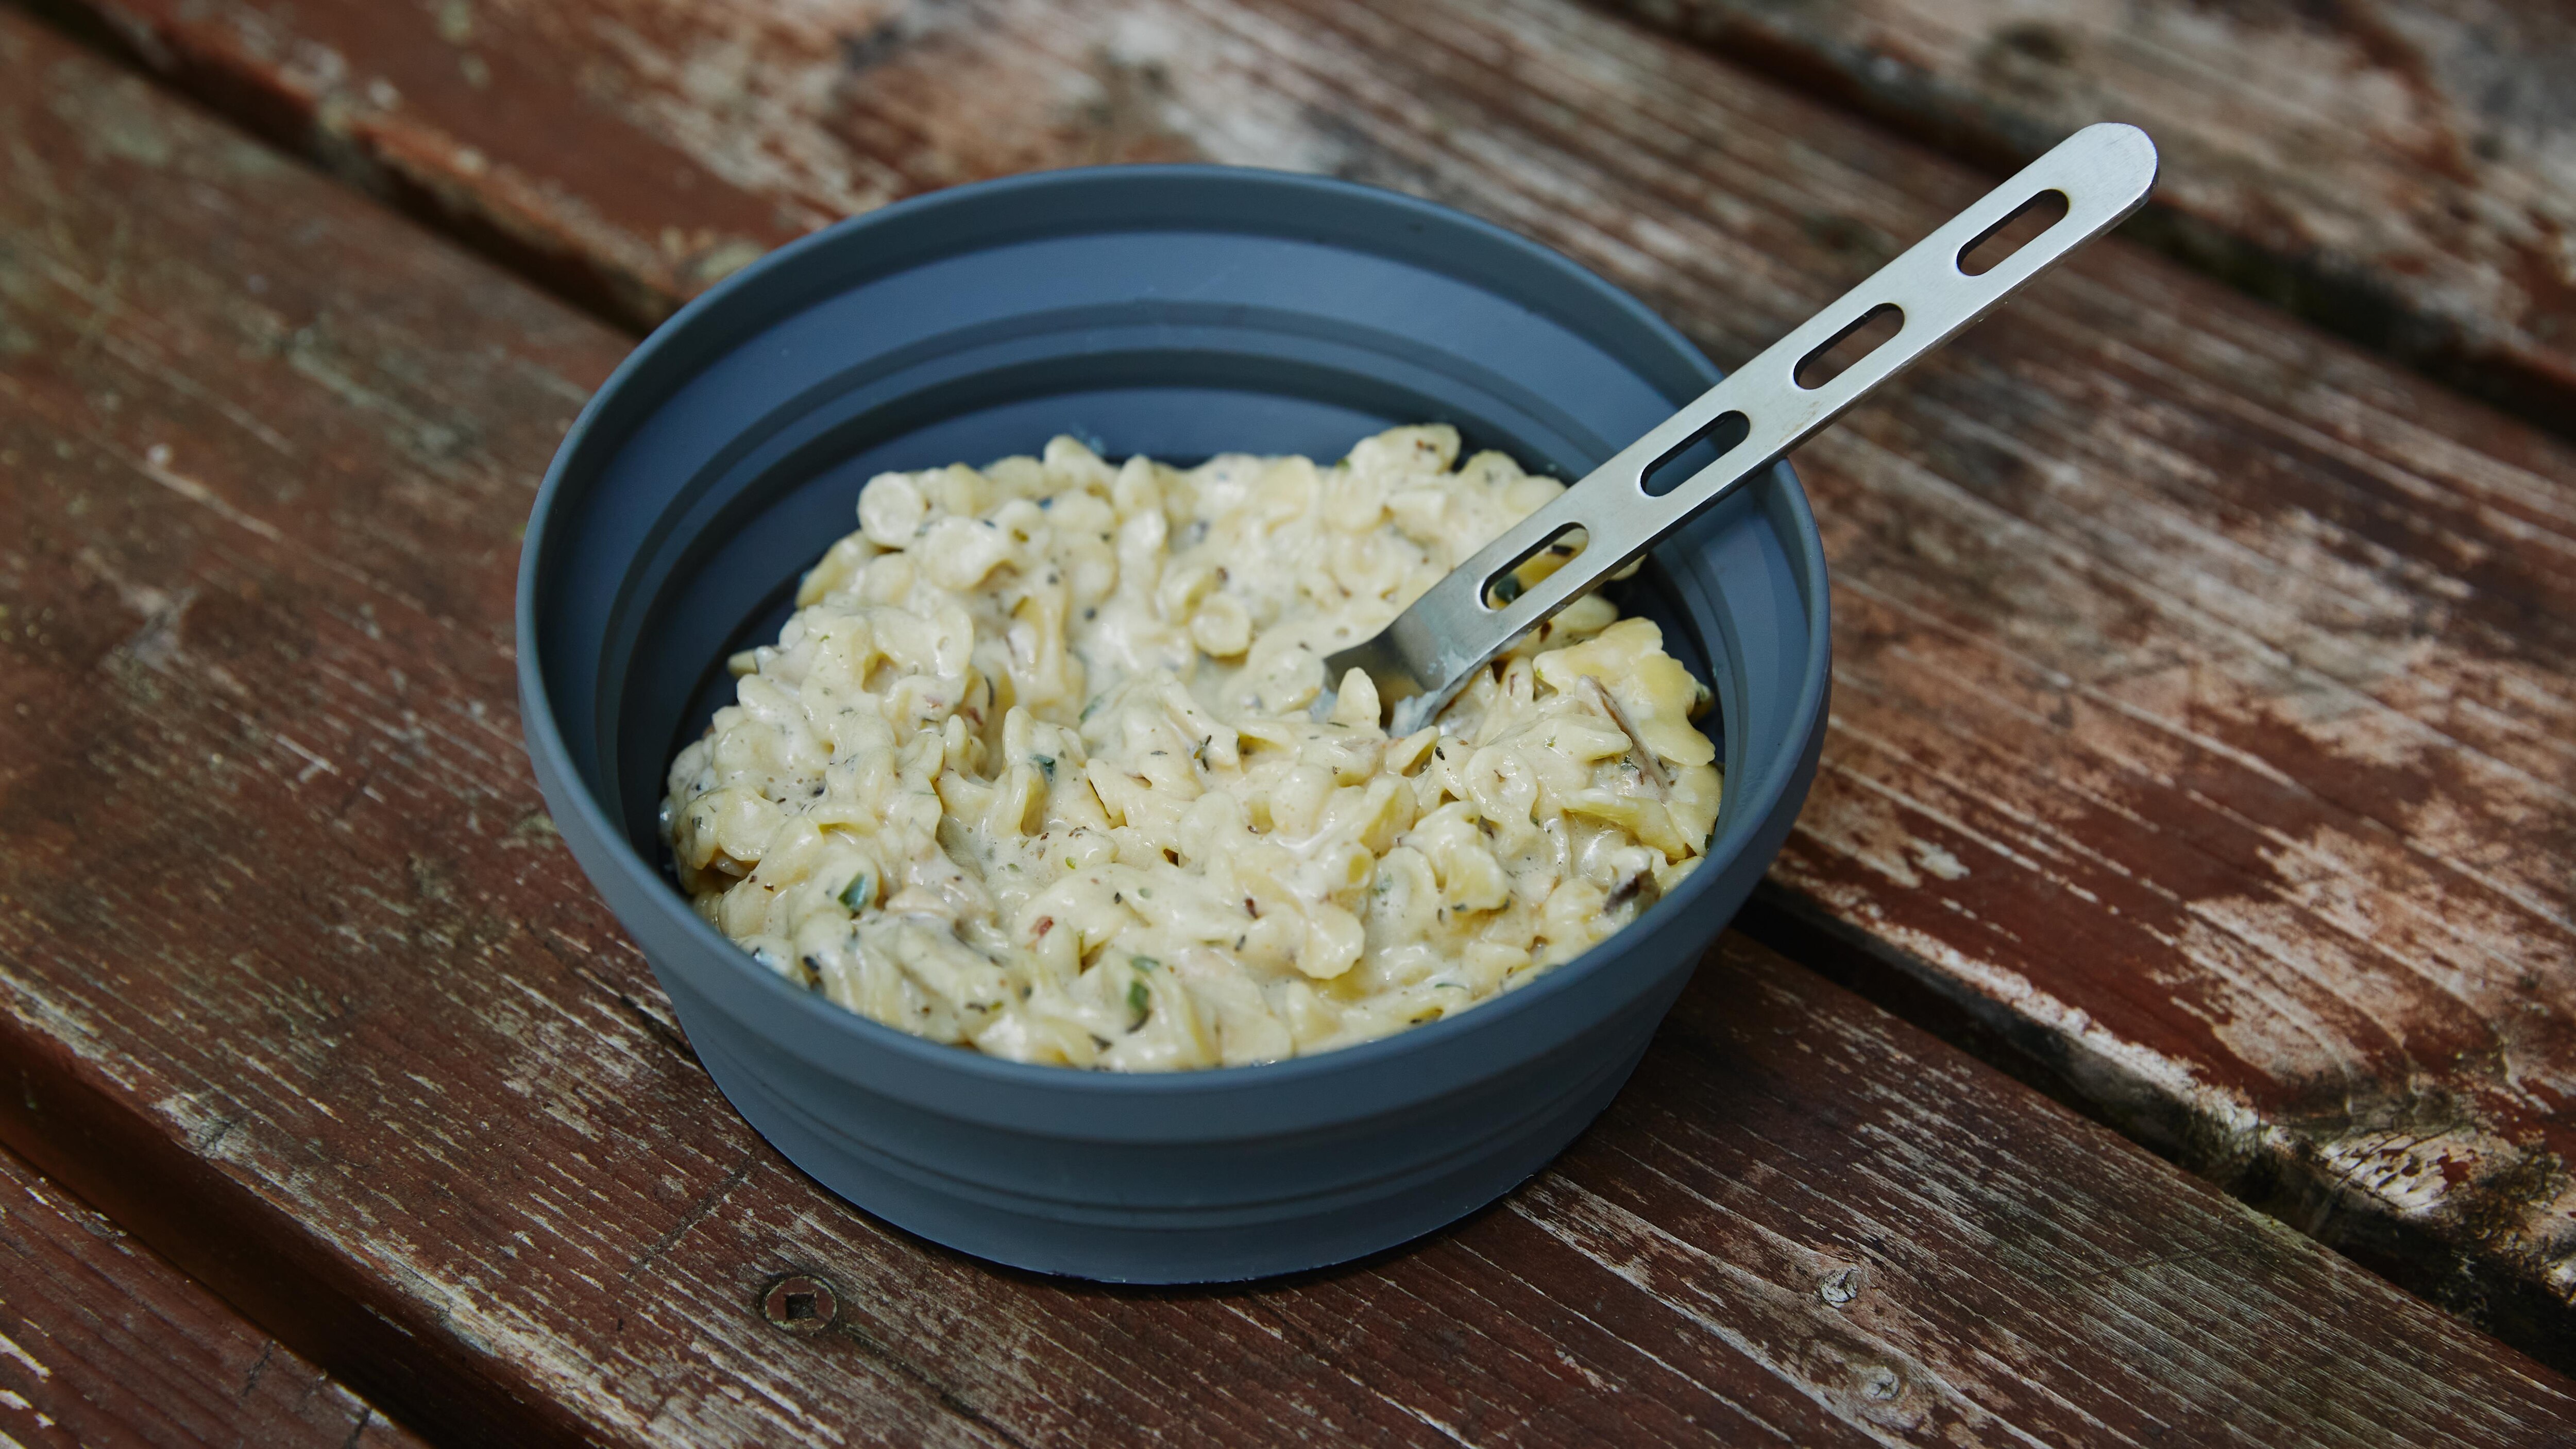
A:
[(1178, 312)]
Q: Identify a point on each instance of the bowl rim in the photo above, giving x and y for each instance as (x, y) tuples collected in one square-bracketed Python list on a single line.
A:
[(551, 756)]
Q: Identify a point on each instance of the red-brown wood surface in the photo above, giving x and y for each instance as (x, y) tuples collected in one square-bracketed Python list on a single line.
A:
[(2404, 171), (104, 1346), (2203, 712), (296, 981)]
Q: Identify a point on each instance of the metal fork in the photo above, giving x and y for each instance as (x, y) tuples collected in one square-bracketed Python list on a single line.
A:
[(1429, 652)]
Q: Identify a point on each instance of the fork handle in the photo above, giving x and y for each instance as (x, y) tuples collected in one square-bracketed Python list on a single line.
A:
[(2104, 172)]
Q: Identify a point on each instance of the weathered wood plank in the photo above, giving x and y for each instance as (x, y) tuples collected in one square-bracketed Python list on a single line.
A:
[(2396, 172), (2403, 172), (2203, 708), (105, 1345), (295, 980)]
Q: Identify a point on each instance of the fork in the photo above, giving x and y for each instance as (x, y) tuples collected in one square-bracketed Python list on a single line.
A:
[(1758, 412)]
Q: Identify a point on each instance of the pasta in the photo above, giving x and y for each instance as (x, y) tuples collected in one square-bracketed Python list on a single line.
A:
[(1031, 769)]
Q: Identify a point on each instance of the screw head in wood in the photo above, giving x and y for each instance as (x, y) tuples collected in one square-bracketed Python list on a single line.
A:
[(799, 1303)]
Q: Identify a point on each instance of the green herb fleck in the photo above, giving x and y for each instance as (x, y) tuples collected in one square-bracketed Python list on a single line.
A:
[(1507, 588), (1045, 764), (1146, 891), (1143, 963), (855, 895), (1088, 709), (1139, 1001)]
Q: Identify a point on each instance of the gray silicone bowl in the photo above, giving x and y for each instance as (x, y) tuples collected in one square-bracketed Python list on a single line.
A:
[(1179, 312)]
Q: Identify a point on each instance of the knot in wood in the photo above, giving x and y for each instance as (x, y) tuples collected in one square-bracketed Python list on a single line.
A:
[(800, 1304), (1840, 1286)]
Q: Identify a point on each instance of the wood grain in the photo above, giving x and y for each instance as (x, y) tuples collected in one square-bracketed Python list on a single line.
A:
[(105, 1345), (2395, 170), (296, 980), (2203, 712), (2400, 171)]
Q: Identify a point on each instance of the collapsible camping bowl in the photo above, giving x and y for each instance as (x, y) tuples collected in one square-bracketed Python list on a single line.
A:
[(1178, 312)]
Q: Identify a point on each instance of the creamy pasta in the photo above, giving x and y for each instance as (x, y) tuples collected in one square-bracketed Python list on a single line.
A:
[(1032, 767)]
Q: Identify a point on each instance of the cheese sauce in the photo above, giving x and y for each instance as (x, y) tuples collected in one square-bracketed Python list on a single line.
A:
[(1031, 768)]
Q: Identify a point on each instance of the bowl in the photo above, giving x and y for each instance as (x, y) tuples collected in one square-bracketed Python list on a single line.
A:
[(1178, 311)]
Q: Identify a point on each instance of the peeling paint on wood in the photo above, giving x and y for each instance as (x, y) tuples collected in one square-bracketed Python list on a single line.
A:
[(104, 1345), (2403, 173), (294, 978), (2202, 684)]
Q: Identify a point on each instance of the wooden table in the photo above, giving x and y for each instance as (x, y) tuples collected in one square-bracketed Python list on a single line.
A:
[(2160, 1029)]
